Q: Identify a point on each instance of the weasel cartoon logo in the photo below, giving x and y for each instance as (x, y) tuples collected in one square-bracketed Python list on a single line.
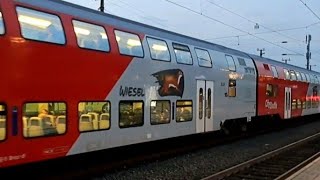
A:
[(171, 82)]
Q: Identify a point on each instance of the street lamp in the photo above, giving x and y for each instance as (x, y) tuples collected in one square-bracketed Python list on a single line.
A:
[(286, 60)]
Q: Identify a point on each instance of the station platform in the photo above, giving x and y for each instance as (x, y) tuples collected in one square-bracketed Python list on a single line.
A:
[(309, 172)]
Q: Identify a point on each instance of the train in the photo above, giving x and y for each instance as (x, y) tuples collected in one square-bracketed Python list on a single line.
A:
[(76, 80)]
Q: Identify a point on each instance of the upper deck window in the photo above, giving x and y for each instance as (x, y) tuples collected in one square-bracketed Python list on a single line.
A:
[(316, 79), (242, 62), (158, 49), (293, 75), (231, 63), (40, 26), (1, 24), (308, 77), (303, 77), (129, 44), (286, 73), (274, 71), (312, 80), (91, 36), (203, 58), (298, 76), (183, 54)]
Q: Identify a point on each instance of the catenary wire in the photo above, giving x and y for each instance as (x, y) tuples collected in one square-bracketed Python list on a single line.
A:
[(270, 30), (216, 20)]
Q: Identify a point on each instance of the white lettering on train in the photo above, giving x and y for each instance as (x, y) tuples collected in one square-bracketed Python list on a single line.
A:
[(271, 105), (12, 157)]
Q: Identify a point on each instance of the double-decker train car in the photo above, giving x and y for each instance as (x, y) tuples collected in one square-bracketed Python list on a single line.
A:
[(75, 81)]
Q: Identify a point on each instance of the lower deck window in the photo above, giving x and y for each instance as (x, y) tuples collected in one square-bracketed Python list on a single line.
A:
[(308, 104), (299, 105), (131, 114), (315, 103), (1, 24), (44, 119), (294, 104), (272, 90), (184, 111), (160, 112), (94, 116), (304, 105), (3, 121)]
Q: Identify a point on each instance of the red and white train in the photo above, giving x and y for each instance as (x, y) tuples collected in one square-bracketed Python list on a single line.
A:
[(75, 81)]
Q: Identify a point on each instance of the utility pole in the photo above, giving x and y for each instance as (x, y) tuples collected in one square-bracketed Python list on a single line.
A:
[(261, 51), (101, 8), (308, 55)]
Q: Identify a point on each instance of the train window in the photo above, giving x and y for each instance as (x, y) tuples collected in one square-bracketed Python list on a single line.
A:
[(203, 58), (242, 62), (299, 77), (94, 116), (293, 75), (294, 104), (286, 73), (314, 103), (183, 54), (303, 76), (231, 63), (201, 103), (184, 111), (209, 108), (3, 122), (312, 80), (316, 79), (272, 90), (44, 119), (1, 24), (266, 67), (308, 77), (131, 113), (274, 71), (40, 26), (232, 90), (158, 49), (309, 103), (304, 105), (91, 36), (129, 44), (160, 112), (299, 104)]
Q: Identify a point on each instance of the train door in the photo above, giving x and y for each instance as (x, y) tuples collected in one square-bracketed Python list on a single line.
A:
[(204, 112), (287, 103)]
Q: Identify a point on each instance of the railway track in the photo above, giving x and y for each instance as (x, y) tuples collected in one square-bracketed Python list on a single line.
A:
[(85, 167), (278, 164)]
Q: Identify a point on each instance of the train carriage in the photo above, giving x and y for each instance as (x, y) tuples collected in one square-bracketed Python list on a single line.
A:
[(76, 80)]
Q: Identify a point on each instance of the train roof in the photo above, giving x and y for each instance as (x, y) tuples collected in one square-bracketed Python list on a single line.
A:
[(278, 63), (126, 24), (133, 26)]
